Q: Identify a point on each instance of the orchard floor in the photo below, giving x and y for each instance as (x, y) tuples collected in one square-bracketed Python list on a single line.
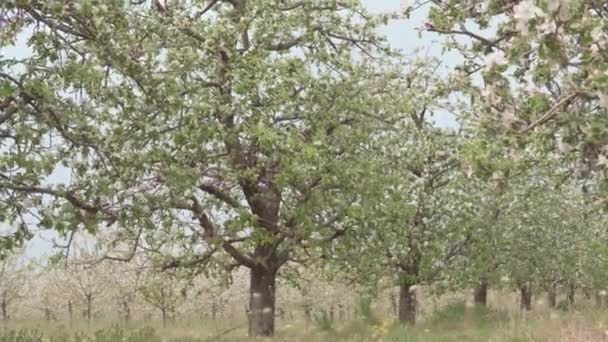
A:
[(453, 323)]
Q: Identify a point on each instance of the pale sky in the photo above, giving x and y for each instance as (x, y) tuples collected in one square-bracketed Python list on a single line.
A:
[(401, 34)]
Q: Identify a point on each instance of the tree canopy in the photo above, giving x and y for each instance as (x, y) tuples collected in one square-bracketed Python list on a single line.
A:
[(223, 134)]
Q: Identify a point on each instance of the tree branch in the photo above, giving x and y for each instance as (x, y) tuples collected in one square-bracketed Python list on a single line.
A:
[(220, 195), (551, 113)]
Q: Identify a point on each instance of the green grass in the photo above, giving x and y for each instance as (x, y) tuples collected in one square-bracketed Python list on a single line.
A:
[(453, 323), (113, 334)]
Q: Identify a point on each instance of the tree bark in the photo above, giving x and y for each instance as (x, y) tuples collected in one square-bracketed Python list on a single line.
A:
[(525, 302), (552, 296), (598, 299), (587, 293), (571, 293), (164, 316), (70, 312), (407, 304), (306, 307), (394, 305), (262, 301), (89, 312), (4, 305), (480, 297), (307, 312), (127, 309)]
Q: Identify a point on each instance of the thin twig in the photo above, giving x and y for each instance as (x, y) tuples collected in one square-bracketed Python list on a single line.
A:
[(551, 113)]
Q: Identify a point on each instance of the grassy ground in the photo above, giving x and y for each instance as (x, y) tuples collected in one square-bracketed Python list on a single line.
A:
[(453, 323), (456, 323)]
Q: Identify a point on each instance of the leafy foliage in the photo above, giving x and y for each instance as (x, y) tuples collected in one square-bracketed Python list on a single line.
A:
[(287, 136)]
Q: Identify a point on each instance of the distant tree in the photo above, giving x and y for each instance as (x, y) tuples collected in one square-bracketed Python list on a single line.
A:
[(415, 218), (82, 285), (126, 279), (47, 298), (166, 292), (13, 284)]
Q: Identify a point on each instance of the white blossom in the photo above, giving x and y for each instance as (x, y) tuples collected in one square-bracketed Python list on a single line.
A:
[(469, 172), (548, 27), (523, 13), (602, 160), (561, 145), (496, 175), (487, 91), (495, 58), (554, 5), (576, 60), (481, 7), (27, 203), (603, 100), (597, 34), (508, 118), (404, 5), (532, 88)]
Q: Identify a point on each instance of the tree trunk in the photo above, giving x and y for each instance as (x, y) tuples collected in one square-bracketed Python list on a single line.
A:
[(127, 309), (571, 293), (4, 305), (213, 310), (307, 312), (552, 296), (394, 306), (480, 297), (89, 312), (70, 312), (587, 293), (164, 314), (262, 301), (407, 304), (525, 302), (598, 299)]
